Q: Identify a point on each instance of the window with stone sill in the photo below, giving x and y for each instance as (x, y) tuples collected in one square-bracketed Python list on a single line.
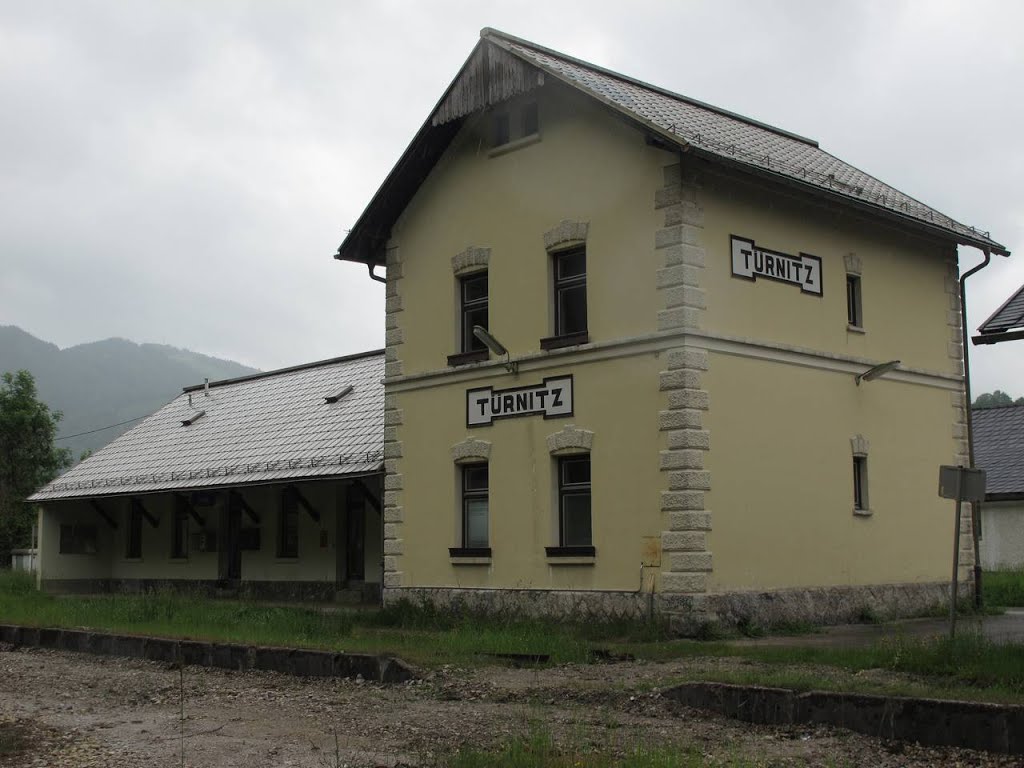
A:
[(473, 310), (475, 511), (569, 280), (575, 529)]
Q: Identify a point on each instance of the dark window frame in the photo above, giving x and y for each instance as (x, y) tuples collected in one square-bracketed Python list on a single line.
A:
[(469, 495), (180, 534), (77, 539), (288, 526), (854, 301), (468, 343), (567, 489), (563, 285), (133, 534), (861, 502)]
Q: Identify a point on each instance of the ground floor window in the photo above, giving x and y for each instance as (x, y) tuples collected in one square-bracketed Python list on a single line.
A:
[(574, 501), (288, 525), (475, 482), (77, 540), (860, 483), (133, 544), (179, 544)]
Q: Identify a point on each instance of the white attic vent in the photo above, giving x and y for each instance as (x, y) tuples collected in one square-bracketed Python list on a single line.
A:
[(193, 418), (336, 397)]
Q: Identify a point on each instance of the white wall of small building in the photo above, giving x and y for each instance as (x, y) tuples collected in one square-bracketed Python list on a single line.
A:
[(1002, 535)]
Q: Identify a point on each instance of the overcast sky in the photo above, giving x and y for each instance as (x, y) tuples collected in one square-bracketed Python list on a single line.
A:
[(182, 172)]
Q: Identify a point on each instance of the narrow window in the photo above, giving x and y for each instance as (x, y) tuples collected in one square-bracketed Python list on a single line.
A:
[(67, 540), (475, 480), (531, 121), (179, 544), (288, 525), (854, 312), (133, 551), (474, 309), (500, 128), (860, 483), (574, 501), (570, 270)]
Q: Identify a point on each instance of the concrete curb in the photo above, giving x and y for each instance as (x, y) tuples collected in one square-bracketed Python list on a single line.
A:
[(932, 722), (291, 661)]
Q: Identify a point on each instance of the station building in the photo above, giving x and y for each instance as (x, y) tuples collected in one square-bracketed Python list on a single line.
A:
[(644, 355)]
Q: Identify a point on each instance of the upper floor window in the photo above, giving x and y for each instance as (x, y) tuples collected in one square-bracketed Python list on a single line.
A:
[(473, 299), (854, 310), (514, 124), (570, 283)]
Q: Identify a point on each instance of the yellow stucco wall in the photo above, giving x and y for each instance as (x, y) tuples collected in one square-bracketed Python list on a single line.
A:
[(616, 399), (782, 481), (905, 303), (586, 167)]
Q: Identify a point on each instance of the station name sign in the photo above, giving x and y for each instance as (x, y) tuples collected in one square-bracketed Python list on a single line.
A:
[(751, 262), (552, 397)]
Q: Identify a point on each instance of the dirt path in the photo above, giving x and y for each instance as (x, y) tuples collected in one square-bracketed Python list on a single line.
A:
[(76, 710)]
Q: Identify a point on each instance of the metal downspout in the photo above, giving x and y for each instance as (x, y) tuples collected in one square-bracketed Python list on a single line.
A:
[(975, 505)]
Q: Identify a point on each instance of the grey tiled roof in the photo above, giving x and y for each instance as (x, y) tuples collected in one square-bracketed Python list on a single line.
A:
[(1007, 317), (271, 426), (730, 137), (999, 447)]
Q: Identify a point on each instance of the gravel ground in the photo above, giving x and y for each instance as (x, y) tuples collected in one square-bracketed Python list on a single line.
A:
[(62, 709)]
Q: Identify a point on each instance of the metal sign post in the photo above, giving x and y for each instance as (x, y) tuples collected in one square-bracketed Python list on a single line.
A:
[(962, 484)]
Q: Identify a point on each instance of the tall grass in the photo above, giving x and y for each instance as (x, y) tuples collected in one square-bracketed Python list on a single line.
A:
[(170, 614), (537, 749), (1004, 588)]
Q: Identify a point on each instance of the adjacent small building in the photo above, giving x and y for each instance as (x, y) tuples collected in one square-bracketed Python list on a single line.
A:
[(999, 450), (266, 485), (649, 355)]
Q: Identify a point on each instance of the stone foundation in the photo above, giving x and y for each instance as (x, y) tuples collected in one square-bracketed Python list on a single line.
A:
[(690, 614)]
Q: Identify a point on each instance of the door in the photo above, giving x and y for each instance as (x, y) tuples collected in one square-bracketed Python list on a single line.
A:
[(355, 535), (231, 552)]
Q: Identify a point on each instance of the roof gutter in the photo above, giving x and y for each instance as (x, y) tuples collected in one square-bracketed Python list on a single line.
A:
[(975, 506)]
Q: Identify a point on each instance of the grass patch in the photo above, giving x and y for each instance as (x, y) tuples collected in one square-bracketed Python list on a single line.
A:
[(968, 667), (12, 740), (539, 750), (1004, 588)]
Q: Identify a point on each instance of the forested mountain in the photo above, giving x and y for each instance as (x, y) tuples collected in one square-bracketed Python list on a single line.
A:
[(105, 382)]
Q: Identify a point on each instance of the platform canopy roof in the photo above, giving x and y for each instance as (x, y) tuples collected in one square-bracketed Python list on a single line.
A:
[(999, 450), (320, 420), (1006, 323), (502, 66)]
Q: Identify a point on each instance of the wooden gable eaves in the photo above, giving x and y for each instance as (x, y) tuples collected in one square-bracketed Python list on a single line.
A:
[(490, 75)]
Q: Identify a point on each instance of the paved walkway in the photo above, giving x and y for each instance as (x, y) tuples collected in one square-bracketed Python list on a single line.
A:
[(1008, 627)]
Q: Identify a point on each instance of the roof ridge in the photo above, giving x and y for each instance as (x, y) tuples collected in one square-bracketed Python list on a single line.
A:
[(280, 371), (489, 33), (1001, 407)]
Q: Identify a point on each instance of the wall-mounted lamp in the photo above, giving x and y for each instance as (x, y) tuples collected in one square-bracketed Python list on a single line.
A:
[(496, 347), (877, 371)]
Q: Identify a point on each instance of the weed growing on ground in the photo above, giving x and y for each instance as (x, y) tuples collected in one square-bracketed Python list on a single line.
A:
[(1004, 588)]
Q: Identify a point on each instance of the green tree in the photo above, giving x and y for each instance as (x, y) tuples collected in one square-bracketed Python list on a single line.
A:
[(996, 399), (28, 457)]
